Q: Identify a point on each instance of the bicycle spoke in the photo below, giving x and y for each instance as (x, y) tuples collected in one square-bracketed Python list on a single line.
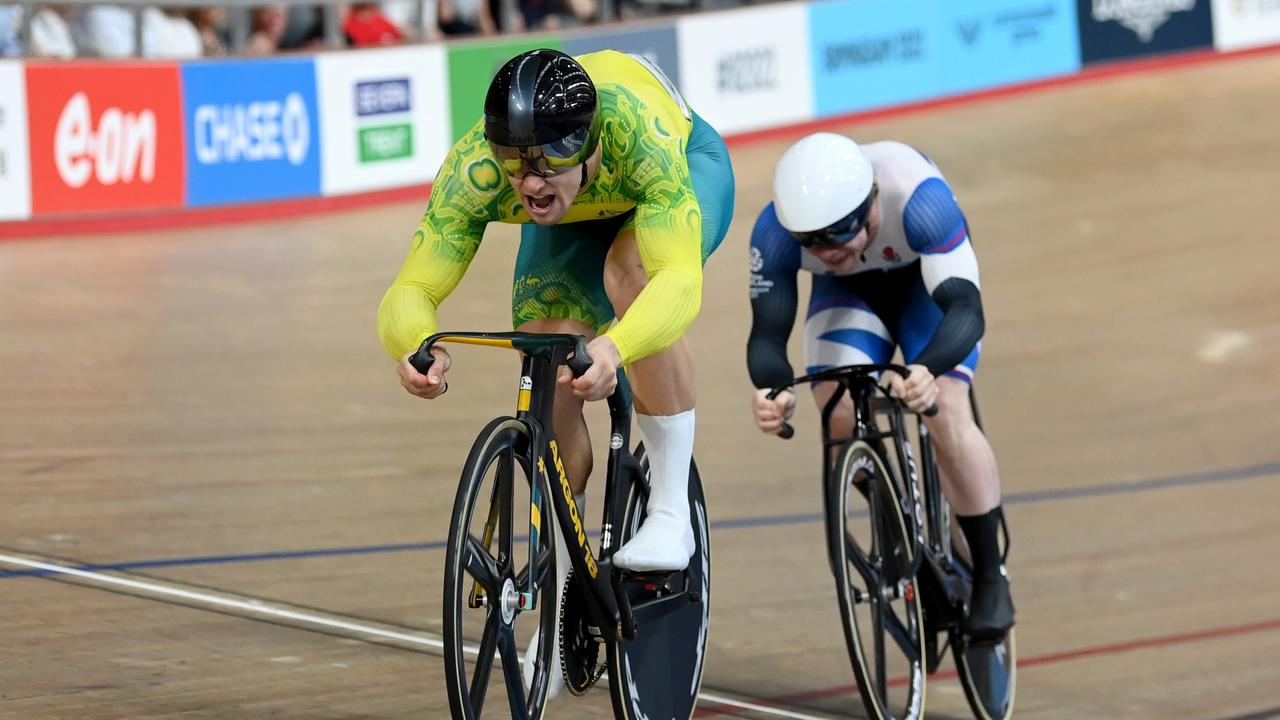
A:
[(482, 566), (511, 672), (484, 660), (877, 639), (506, 489), (861, 562), (901, 634)]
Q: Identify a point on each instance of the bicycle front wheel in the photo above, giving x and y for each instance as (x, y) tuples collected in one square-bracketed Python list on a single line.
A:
[(490, 584), (871, 558)]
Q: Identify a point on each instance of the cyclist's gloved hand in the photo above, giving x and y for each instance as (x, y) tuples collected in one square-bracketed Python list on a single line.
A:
[(600, 380), (919, 391), (770, 415), (429, 386)]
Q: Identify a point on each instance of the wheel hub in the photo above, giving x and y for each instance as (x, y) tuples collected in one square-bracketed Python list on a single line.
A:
[(510, 601)]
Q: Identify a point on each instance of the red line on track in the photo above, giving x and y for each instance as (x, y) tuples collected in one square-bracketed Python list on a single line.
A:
[(282, 209), (785, 701)]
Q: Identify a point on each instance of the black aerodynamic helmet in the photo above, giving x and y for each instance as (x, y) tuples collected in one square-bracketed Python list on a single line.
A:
[(540, 114)]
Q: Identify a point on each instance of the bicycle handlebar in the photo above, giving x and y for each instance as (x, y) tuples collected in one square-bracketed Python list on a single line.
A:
[(422, 359), (787, 432)]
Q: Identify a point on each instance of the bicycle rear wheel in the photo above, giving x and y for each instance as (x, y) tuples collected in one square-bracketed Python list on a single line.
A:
[(488, 582), (659, 673), (871, 558)]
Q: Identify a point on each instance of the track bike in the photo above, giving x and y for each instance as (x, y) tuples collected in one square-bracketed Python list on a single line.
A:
[(902, 576), (648, 631)]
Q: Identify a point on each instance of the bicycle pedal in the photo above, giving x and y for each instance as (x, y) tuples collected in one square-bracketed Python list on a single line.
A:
[(653, 582)]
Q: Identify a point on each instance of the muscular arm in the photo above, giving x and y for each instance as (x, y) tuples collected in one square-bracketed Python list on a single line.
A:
[(462, 203), (774, 262), (435, 264), (937, 229), (669, 237)]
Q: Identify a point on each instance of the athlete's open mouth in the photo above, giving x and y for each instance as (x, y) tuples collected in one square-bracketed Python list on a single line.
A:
[(540, 203)]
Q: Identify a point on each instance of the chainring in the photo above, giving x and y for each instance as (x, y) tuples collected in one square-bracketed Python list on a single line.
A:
[(580, 641)]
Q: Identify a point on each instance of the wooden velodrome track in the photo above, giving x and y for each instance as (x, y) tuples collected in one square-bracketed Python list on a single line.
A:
[(208, 413)]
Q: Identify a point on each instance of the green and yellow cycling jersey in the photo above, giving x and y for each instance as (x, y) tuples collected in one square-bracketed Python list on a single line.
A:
[(644, 133)]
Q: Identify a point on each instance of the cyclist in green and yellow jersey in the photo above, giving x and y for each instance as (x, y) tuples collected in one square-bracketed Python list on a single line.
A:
[(624, 193)]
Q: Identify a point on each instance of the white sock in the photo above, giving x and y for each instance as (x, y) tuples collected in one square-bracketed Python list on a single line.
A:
[(664, 541), (555, 681)]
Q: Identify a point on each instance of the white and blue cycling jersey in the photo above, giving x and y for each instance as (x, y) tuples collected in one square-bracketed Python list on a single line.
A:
[(915, 286)]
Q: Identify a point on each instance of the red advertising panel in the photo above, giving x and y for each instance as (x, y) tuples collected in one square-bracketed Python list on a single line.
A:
[(104, 136)]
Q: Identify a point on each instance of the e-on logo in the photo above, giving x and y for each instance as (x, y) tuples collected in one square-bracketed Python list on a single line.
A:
[(256, 131), (120, 148)]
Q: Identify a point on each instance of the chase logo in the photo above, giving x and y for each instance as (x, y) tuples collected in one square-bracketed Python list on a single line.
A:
[(252, 129), (253, 132)]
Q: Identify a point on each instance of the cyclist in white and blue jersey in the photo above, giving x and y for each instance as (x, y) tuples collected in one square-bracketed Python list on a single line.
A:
[(888, 247)]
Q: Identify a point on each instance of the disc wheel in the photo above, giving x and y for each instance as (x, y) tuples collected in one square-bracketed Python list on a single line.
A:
[(659, 673), (879, 603), (488, 579)]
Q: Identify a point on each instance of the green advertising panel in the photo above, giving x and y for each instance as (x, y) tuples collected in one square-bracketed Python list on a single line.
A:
[(386, 142), (471, 69)]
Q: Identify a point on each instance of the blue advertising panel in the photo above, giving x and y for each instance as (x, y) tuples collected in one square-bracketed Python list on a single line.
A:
[(1114, 29), (658, 45), (252, 130), (988, 43), (873, 53)]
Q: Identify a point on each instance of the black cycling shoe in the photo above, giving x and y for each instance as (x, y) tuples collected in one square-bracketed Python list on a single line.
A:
[(990, 608)]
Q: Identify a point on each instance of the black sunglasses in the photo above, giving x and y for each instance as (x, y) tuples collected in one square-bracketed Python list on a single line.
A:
[(842, 230)]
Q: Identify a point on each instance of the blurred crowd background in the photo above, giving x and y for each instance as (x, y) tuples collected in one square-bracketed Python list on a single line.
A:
[(87, 30)]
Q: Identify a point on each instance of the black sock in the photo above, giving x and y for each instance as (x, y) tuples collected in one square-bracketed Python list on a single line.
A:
[(983, 532)]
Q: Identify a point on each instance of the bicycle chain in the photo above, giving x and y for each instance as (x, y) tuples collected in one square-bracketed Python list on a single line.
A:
[(582, 645)]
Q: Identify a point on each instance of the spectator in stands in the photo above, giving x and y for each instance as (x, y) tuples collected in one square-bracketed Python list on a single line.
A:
[(267, 24), (552, 14), (365, 25), (107, 31), (211, 24), (466, 17), (10, 27), (50, 33), (104, 31), (303, 28), (171, 34), (404, 13)]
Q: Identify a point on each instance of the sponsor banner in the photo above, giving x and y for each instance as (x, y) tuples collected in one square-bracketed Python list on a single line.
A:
[(1245, 23), (15, 172), (1116, 29), (874, 53), (988, 43), (252, 130), (745, 70), (471, 69), (656, 44), (385, 117), (104, 137)]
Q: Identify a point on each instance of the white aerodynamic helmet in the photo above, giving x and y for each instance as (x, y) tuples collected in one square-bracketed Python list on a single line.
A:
[(820, 180)]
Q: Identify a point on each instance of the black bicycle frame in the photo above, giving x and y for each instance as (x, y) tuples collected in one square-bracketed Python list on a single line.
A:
[(543, 354)]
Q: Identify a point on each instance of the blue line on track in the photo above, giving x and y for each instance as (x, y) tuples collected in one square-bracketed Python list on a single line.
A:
[(1120, 488)]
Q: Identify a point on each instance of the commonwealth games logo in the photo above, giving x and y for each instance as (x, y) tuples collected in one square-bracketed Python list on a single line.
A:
[(1143, 17)]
